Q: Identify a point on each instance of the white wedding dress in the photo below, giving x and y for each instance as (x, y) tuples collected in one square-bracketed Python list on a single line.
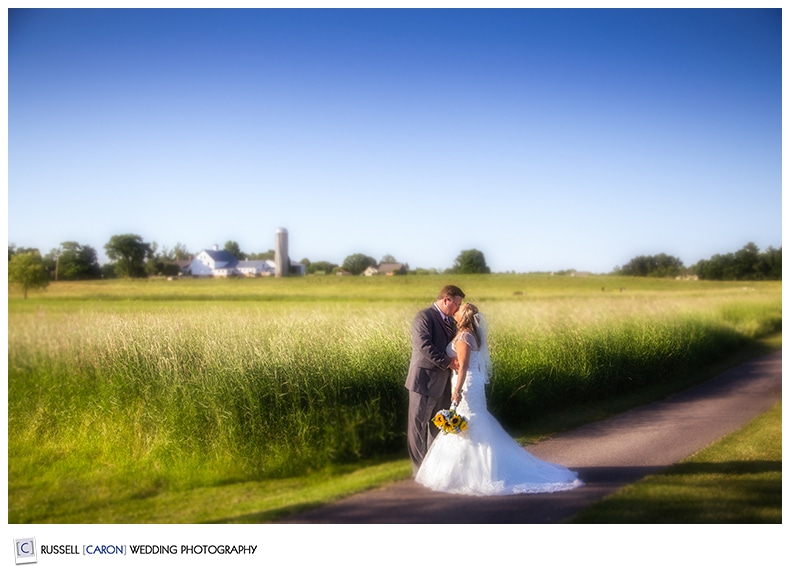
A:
[(484, 460)]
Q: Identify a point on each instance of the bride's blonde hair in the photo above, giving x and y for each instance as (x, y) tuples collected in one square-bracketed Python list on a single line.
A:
[(467, 321)]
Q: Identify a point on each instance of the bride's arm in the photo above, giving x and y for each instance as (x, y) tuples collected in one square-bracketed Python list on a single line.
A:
[(462, 348)]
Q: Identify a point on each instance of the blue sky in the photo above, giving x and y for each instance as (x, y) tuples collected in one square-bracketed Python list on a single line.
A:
[(547, 139)]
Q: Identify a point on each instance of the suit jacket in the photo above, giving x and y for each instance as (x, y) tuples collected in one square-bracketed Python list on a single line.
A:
[(429, 368)]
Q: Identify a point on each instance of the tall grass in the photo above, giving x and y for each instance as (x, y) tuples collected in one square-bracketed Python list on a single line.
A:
[(273, 390), (152, 394), (565, 353)]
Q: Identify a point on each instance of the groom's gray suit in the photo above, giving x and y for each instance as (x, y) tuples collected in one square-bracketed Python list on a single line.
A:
[(428, 380)]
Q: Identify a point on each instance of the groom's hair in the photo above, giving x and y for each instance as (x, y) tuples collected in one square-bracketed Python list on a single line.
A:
[(450, 291)]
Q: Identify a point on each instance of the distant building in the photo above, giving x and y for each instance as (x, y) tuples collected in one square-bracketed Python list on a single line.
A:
[(255, 268), (281, 259), (388, 269), (221, 263), (393, 269), (218, 262)]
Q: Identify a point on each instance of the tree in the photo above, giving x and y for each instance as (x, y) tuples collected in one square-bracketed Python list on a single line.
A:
[(181, 253), (469, 262), (661, 265), (73, 261), (357, 263), (771, 264), (128, 252), (108, 271), (747, 264), (162, 263), (265, 256), (388, 259), (717, 268), (52, 262), (233, 248), (14, 250), (321, 267), (28, 271), (423, 271)]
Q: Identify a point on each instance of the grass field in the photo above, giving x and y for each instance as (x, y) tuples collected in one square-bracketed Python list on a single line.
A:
[(138, 390)]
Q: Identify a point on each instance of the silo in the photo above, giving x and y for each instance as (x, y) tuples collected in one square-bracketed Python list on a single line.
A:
[(281, 259)]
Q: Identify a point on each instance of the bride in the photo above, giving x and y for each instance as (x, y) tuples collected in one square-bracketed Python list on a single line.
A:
[(483, 460)]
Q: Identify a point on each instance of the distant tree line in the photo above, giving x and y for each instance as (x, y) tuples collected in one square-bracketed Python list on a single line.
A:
[(131, 257), (746, 264), (469, 261)]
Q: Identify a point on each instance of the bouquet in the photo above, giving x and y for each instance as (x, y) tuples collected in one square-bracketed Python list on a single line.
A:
[(449, 421)]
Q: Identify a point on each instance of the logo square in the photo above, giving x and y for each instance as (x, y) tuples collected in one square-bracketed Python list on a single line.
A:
[(25, 550)]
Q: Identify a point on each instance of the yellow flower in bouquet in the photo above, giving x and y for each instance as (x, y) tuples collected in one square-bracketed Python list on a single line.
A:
[(449, 421)]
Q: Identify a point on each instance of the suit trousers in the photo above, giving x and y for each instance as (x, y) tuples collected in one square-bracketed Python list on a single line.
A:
[(421, 431)]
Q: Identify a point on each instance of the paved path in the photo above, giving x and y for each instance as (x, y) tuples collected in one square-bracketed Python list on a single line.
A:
[(607, 454)]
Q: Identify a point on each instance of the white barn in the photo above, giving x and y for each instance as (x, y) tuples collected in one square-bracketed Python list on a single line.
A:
[(221, 263)]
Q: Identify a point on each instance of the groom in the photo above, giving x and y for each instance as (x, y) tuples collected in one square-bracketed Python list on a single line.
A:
[(430, 369)]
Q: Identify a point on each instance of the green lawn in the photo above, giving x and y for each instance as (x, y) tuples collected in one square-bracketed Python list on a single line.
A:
[(737, 480), (246, 502)]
